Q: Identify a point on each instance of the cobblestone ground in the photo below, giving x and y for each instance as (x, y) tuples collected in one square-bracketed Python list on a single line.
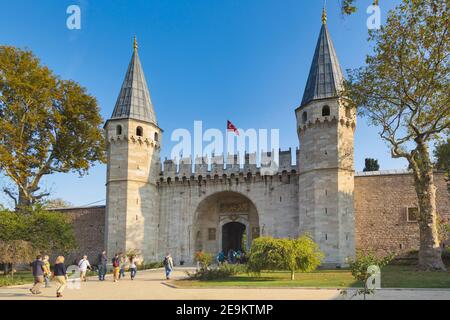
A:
[(151, 285)]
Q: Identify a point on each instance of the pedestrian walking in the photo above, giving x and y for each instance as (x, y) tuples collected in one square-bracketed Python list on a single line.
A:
[(84, 265), (220, 258), (123, 265), (47, 271), (133, 267), (116, 267), (38, 269), (60, 276), (168, 265), (102, 260)]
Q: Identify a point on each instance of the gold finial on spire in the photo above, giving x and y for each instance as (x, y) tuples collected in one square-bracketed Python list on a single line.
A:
[(135, 44), (324, 15)]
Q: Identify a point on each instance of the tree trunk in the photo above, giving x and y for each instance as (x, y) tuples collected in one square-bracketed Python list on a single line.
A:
[(23, 202), (430, 251)]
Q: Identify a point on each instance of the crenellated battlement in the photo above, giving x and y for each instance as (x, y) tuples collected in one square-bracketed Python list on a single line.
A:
[(229, 166), (320, 122)]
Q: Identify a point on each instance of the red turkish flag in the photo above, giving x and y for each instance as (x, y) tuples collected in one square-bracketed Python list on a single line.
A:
[(231, 127)]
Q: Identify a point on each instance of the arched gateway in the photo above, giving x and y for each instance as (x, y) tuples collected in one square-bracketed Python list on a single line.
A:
[(223, 221)]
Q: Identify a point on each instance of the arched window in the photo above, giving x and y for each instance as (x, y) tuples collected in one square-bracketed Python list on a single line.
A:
[(156, 136), (139, 131), (347, 112), (119, 130), (304, 117), (325, 111)]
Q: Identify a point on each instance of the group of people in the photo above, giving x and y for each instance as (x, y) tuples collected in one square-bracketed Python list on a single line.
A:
[(43, 274), (233, 256), (119, 263)]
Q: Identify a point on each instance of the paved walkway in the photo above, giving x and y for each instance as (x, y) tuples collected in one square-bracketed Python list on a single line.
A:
[(150, 285)]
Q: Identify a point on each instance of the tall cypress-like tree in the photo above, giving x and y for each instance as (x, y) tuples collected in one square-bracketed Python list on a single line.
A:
[(371, 165)]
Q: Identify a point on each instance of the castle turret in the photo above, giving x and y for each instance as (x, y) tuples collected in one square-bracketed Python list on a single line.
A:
[(133, 143), (326, 170)]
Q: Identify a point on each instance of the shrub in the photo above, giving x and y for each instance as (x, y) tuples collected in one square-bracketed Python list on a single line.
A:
[(24, 235), (150, 265), (359, 268), (223, 271), (15, 252), (204, 259), (267, 253)]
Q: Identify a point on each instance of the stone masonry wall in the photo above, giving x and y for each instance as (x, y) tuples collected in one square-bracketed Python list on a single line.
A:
[(381, 202), (89, 228), (380, 207)]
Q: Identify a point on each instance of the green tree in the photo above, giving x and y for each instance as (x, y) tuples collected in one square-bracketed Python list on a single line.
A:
[(204, 259), (48, 125), (361, 271), (371, 165), (14, 252), (442, 155), (267, 253), (348, 7), (21, 236), (403, 89)]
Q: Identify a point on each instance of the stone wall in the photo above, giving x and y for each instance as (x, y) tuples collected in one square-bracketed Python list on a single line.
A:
[(381, 201), (182, 201), (89, 228)]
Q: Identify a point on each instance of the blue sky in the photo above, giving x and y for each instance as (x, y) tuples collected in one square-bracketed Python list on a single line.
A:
[(210, 60)]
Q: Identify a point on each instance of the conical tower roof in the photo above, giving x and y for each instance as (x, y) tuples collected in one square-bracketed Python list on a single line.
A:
[(325, 76), (134, 99)]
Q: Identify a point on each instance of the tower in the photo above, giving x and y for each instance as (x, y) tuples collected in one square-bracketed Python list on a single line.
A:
[(325, 129), (133, 143)]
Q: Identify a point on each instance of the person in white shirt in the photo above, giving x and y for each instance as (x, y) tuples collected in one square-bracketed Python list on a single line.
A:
[(84, 265), (133, 267)]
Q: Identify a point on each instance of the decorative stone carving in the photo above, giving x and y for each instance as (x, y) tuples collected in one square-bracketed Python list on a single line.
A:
[(233, 207)]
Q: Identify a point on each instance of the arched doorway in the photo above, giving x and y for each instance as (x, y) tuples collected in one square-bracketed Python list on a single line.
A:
[(220, 222), (232, 235)]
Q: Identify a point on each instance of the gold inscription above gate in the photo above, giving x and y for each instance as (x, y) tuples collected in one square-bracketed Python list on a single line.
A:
[(233, 207)]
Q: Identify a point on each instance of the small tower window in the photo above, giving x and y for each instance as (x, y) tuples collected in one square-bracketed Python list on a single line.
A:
[(139, 131), (119, 130), (325, 111), (304, 116), (347, 112), (156, 136)]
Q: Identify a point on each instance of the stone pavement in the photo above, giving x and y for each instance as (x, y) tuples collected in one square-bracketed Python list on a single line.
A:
[(151, 285)]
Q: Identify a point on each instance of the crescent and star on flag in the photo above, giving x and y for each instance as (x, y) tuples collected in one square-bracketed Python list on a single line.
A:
[(231, 127)]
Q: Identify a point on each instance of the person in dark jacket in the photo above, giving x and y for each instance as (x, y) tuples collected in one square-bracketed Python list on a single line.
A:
[(38, 268), (102, 260), (60, 274)]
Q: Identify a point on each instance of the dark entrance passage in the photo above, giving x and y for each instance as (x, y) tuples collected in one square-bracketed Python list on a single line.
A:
[(232, 233)]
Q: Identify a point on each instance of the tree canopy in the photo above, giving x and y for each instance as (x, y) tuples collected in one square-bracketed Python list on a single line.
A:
[(45, 231), (442, 155), (348, 7), (371, 165), (403, 90), (48, 125)]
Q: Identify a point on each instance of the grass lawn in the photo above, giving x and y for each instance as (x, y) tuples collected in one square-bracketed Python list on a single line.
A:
[(391, 277), (21, 277)]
